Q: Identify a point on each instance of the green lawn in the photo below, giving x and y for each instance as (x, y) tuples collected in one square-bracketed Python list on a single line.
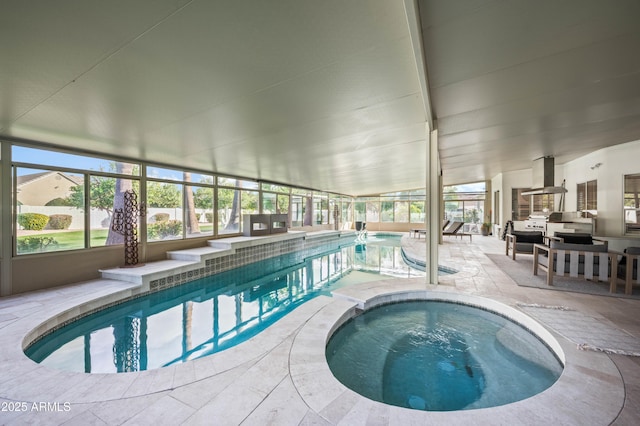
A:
[(70, 240)]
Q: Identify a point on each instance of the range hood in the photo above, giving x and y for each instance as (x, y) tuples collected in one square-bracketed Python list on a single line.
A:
[(543, 178)]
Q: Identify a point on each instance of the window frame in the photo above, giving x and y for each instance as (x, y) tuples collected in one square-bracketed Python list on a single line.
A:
[(631, 228)]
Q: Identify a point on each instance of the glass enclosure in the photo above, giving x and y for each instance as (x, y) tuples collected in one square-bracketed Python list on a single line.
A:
[(67, 201), (465, 203)]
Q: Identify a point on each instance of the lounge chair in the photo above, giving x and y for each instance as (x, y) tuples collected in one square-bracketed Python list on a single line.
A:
[(416, 232), (421, 231), (454, 229)]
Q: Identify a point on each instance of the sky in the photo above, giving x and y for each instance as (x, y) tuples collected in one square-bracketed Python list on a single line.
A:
[(56, 159)]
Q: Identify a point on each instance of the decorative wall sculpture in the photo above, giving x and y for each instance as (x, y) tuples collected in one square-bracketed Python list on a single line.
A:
[(125, 222)]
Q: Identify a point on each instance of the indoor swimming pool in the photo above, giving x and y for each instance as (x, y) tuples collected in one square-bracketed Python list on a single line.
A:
[(214, 313)]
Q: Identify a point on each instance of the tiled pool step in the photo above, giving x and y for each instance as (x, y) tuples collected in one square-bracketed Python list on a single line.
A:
[(217, 256)]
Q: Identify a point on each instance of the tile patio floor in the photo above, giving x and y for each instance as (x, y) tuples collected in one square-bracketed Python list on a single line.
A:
[(280, 377)]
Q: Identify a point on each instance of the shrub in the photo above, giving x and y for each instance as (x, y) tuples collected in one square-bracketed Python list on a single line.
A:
[(64, 202), (59, 221), (161, 217), (164, 229), (33, 244), (33, 221), (209, 217)]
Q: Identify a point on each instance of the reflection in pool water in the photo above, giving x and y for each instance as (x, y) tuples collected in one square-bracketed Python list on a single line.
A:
[(210, 314)]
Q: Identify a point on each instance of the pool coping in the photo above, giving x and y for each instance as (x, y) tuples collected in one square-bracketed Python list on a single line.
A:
[(307, 328), (565, 402)]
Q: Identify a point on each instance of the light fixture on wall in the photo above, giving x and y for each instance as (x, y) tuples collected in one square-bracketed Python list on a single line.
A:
[(595, 166)]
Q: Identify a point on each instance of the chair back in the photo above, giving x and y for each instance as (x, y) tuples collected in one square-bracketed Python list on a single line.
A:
[(631, 260), (453, 227), (575, 237)]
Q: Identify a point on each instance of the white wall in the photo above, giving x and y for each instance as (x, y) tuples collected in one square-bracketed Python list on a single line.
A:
[(510, 180), (616, 162)]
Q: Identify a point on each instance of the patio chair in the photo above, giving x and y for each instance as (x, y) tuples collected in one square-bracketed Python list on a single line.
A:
[(522, 242), (628, 268), (590, 261), (578, 238)]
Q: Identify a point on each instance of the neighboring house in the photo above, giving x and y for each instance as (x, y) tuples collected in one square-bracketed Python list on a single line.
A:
[(38, 189)]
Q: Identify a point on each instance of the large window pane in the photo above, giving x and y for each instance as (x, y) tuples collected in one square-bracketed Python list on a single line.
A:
[(164, 211), (543, 203), (417, 212), (50, 211), (198, 210), (334, 211), (106, 194), (283, 204), (592, 195), (237, 183), (632, 204), (164, 173), (268, 203), (373, 211), (346, 215), (465, 203), (249, 204), (401, 211), (360, 211), (520, 204), (321, 209), (386, 211), (228, 211), (70, 161), (275, 188), (453, 211), (297, 210), (473, 215), (587, 196)]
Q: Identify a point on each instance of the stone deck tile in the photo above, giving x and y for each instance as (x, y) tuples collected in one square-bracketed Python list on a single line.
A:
[(280, 376)]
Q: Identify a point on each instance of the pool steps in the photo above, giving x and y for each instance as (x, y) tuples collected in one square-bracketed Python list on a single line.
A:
[(182, 266)]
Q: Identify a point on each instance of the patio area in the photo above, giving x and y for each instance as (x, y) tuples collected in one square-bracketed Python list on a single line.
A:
[(280, 377)]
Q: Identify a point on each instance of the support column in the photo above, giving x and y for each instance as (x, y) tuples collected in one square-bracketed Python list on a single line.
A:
[(434, 198), (6, 223)]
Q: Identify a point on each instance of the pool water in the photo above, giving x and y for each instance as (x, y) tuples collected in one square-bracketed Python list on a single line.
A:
[(214, 313), (440, 356)]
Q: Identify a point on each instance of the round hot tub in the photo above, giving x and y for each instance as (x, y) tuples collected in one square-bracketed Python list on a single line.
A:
[(436, 355)]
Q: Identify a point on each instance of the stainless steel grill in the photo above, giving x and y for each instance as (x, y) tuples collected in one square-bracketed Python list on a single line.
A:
[(537, 222)]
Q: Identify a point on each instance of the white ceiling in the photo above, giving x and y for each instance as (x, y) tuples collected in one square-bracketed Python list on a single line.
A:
[(326, 95), (513, 81)]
